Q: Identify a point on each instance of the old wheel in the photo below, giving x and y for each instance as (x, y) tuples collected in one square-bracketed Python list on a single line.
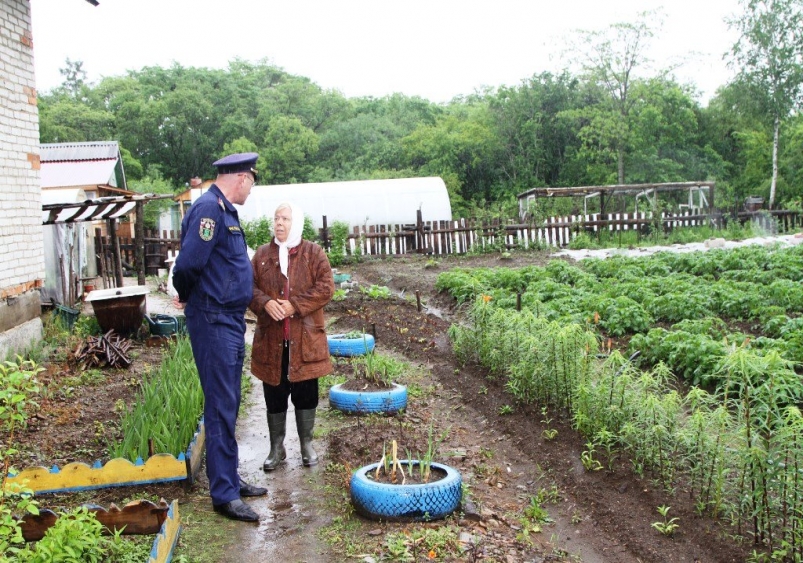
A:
[(388, 401), (341, 345), (419, 502)]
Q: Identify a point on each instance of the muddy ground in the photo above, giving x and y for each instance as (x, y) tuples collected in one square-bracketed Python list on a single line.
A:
[(505, 459)]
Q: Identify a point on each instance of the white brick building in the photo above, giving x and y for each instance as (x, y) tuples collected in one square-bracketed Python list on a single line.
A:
[(21, 246)]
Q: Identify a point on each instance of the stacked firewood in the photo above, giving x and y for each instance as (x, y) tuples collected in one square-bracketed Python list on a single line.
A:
[(109, 349)]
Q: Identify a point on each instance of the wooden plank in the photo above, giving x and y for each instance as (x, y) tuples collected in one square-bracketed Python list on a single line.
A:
[(138, 517), (195, 453), (165, 542), (117, 472)]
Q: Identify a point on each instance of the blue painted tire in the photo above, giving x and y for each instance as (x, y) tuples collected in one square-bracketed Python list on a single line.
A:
[(339, 345), (388, 401), (406, 503)]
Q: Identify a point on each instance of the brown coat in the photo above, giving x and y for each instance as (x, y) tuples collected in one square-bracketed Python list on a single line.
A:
[(311, 288)]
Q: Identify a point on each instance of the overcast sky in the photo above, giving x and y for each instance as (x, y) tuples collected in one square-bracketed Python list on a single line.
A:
[(436, 49)]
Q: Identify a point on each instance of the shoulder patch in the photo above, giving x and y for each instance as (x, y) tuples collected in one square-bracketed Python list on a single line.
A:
[(207, 229)]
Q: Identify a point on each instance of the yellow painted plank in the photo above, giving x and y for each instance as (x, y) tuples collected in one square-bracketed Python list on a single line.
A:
[(117, 472), (165, 542)]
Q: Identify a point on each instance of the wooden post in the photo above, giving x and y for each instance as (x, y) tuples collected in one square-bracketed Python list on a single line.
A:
[(139, 241), (418, 300), (117, 260), (518, 301), (419, 232), (325, 235), (101, 248)]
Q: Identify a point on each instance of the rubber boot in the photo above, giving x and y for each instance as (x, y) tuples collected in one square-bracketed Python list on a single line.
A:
[(276, 426), (305, 422)]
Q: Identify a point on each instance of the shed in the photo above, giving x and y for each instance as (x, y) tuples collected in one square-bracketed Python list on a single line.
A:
[(358, 202), (73, 173)]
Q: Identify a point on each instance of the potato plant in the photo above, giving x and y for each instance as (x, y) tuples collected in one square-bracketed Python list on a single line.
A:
[(735, 446)]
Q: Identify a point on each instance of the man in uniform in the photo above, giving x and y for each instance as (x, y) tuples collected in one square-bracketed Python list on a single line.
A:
[(214, 281)]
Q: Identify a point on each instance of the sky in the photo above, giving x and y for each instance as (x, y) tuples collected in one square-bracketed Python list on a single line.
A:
[(435, 49)]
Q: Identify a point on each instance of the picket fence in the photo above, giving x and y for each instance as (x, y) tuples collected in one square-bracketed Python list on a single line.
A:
[(466, 235)]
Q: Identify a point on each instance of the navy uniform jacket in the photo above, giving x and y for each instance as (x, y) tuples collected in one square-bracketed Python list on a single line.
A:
[(212, 271)]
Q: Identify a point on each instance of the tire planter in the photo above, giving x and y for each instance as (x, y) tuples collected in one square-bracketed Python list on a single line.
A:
[(406, 503), (387, 401), (339, 345)]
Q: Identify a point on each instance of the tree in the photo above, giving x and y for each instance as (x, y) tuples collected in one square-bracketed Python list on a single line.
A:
[(769, 54), (74, 77), (533, 138), (287, 146), (153, 183), (610, 59)]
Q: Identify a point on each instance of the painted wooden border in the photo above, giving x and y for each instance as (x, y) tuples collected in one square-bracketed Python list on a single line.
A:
[(165, 542), (135, 518), (195, 453), (119, 472)]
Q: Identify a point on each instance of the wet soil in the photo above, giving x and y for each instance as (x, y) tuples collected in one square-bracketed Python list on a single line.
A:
[(505, 459)]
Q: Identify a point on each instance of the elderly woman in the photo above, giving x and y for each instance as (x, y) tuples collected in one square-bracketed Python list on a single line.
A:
[(292, 284)]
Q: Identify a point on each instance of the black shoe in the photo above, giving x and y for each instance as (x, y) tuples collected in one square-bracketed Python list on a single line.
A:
[(237, 510), (247, 490)]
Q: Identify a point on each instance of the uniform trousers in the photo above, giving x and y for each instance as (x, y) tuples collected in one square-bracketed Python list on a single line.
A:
[(218, 344), (304, 394)]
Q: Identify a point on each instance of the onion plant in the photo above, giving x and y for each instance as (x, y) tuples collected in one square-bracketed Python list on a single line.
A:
[(168, 408)]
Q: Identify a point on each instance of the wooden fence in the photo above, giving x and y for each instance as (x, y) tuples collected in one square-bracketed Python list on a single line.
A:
[(465, 235)]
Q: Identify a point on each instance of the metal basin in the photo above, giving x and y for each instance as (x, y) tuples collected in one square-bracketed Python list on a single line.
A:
[(121, 309)]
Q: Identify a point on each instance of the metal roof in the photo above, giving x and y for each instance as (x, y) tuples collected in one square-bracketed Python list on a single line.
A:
[(93, 150), (78, 173)]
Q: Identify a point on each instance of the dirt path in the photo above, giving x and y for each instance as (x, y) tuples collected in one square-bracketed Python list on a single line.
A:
[(287, 530), (289, 519)]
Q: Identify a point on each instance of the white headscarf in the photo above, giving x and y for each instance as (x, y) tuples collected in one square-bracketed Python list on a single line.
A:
[(293, 237)]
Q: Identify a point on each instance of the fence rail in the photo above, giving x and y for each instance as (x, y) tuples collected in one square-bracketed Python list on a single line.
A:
[(466, 235)]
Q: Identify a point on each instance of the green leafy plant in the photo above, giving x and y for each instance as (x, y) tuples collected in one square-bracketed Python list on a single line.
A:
[(668, 526), (378, 369), (505, 409), (257, 231), (87, 325), (588, 460), (76, 536), (338, 243), (18, 387), (376, 291)]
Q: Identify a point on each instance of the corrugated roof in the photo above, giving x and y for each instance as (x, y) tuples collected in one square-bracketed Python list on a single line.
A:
[(78, 173), (93, 150)]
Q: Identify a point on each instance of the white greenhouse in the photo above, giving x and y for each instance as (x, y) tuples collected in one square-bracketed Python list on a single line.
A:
[(359, 202)]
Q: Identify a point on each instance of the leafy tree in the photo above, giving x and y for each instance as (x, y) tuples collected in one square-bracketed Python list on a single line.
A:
[(612, 58), (769, 54), (287, 146), (533, 139), (154, 183), (74, 77), (63, 119), (461, 148)]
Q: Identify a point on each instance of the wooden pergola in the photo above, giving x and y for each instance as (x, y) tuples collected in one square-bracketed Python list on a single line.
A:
[(606, 193), (108, 209)]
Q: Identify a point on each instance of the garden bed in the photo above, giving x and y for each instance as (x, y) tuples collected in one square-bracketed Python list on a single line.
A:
[(500, 447)]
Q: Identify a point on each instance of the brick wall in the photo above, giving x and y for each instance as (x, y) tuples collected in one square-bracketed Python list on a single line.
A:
[(21, 251)]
